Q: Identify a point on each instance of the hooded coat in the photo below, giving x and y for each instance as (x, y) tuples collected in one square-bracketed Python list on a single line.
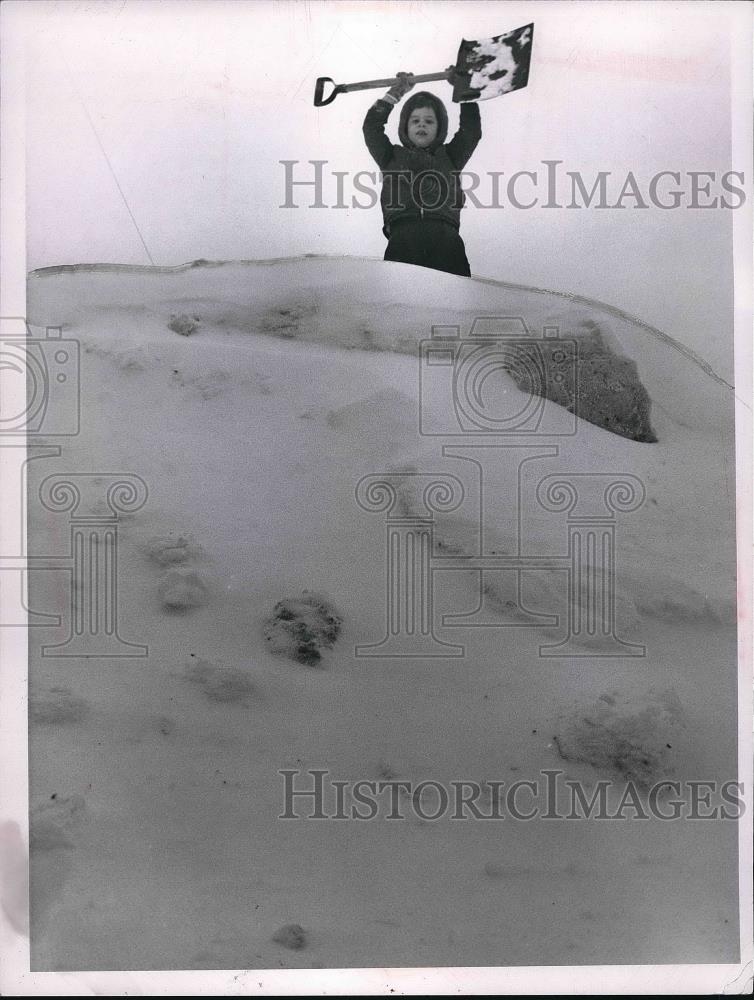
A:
[(422, 183)]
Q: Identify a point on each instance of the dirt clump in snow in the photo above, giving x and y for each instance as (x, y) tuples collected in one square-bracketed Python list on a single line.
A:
[(291, 936), (301, 627), (183, 324), (631, 740), (589, 379)]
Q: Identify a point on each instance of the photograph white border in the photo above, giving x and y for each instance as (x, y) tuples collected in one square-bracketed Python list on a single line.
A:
[(15, 977)]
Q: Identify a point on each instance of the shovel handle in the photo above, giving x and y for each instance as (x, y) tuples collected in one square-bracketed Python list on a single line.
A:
[(347, 88), (319, 90)]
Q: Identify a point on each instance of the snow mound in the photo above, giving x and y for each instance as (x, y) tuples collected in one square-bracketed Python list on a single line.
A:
[(365, 305), (258, 438)]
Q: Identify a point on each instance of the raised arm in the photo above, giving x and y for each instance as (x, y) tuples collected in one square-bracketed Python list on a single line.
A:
[(377, 142), (466, 139)]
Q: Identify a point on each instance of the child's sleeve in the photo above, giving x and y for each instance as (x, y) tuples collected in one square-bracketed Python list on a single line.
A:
[(466, 139), (377, 142)]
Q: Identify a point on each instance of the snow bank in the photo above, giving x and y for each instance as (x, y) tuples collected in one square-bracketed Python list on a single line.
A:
[(155, 781)]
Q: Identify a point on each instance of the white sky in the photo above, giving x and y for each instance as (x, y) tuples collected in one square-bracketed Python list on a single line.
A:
[(194, 104)]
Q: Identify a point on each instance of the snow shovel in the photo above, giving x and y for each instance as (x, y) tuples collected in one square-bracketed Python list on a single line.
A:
[(483, 69)]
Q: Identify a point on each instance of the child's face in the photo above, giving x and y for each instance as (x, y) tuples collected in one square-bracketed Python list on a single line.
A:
[(422, 127)]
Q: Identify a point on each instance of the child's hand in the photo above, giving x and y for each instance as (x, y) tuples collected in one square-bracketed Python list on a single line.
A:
[(401, 87)]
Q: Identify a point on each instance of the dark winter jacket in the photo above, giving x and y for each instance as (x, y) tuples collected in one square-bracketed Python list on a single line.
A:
[(422, 183)]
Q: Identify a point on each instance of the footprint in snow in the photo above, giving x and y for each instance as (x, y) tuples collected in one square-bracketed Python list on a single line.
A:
[(300, 628), (169, 550), (227, 685), (181, 590)]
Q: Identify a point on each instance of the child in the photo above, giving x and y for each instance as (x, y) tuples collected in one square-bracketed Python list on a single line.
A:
[(421, 191)]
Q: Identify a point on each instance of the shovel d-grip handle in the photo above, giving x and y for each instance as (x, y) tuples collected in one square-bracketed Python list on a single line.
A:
[(319, 90), (346, 88)]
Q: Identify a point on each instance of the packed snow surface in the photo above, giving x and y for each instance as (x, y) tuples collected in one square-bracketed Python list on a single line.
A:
[(252, 399)]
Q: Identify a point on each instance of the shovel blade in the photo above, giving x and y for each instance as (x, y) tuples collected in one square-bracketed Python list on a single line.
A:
[(493, 66)]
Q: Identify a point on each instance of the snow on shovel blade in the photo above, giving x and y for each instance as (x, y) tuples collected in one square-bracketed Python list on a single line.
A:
[(493, 66)]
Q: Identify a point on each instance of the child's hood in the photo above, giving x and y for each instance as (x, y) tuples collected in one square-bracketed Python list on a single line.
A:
[(423, 99)]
